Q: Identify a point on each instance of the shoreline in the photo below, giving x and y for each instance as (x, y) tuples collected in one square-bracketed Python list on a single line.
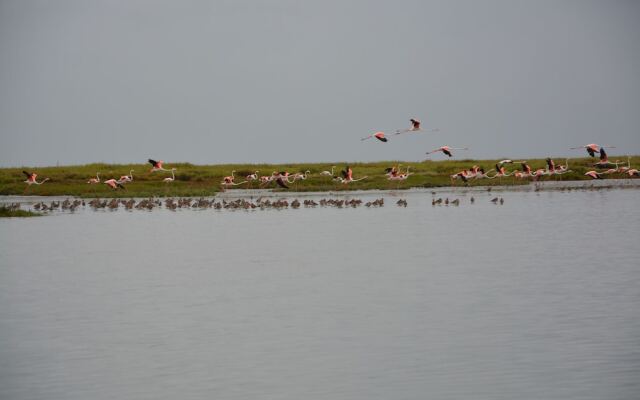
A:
[(610, 184), (205, 180)]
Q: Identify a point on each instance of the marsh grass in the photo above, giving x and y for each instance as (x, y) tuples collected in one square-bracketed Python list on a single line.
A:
[(6, 212), (204, 180)]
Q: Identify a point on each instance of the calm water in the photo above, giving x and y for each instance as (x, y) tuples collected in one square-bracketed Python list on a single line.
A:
[(536, 299)]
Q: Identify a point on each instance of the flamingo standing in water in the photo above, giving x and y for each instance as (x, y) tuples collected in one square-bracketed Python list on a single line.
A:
[(446, 150), (113, 184), (591, 148), (172, 178), (377, 135), (157, 165), (95, 180), (31, 178)]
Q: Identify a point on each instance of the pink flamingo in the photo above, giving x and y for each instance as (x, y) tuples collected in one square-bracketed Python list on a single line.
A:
[(157, 165), (347, 176), (415, 127), (127, 178), (446, 150), (31, 178), (113, 184), (172, 178), (377, 135), (604, 160), (95, 180), (593, 175), (591, 148)]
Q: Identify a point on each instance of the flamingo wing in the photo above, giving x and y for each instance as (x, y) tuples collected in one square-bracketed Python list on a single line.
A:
[(27, 174), (603, 154), (281, 183), (447, 152), (381, 138), (415, 124)]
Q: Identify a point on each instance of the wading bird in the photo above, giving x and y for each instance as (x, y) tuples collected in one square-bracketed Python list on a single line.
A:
[(157, 165), (95, 180), (31, 178), (252, 177), (591, 148), (446, 150), (113, 184), (327, 173), (127, 178), (377, 135), (172, 178)]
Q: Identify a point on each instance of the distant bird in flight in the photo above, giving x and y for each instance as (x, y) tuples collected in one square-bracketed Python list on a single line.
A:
[(377, 135), (591, 148), (415, 127), (446, 150), (157, 165), (31, 178), (113, 184)]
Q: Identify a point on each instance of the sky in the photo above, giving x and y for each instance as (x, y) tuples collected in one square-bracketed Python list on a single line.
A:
[(233, 81)]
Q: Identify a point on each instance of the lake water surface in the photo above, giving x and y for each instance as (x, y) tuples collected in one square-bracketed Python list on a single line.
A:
[(538, 298)]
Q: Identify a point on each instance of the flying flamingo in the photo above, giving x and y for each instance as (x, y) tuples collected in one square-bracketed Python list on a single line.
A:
[(173, 176), (500, 171), (299, 175), (593, 175), (230, 180), (31, 178), (127, 178), (415, 127), (392, 171), (604, 160), (113, 184), (591, 148), (95, 180), (400, 176), (347, 176), (377, 135), (327, 173), (446, 150), (157, 165)]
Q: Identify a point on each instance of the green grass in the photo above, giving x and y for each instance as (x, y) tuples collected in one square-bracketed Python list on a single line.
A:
[(6, 212), (204, 180)]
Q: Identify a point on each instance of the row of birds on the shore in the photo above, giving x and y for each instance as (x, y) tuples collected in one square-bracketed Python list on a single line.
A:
[(202, 203)]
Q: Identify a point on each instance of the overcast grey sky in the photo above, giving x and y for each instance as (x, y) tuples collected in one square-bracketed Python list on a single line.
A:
[(292, 81)]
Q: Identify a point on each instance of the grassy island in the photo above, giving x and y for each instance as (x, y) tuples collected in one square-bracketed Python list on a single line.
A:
[(205, 180)]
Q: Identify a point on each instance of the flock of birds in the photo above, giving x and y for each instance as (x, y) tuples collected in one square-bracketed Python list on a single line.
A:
[(283, 178)]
